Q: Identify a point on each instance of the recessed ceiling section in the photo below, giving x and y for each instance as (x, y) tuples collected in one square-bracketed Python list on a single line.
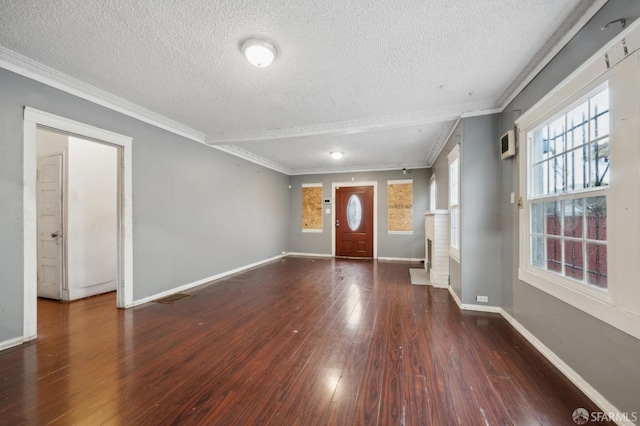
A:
[(382, 69), (366, 150)]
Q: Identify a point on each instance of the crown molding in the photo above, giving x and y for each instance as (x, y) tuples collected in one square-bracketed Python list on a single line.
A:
[(413, 118), (265, 162), (440, 142), (358, 169), (560, 38), (254, 158), (34, 70)]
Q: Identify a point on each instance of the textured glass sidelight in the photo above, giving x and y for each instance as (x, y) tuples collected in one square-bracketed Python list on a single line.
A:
[(354, 212)]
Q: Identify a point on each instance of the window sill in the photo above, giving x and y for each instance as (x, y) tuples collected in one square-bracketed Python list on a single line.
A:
[(588, 301)]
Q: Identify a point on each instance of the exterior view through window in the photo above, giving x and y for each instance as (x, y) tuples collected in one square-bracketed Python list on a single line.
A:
[(569, 177)]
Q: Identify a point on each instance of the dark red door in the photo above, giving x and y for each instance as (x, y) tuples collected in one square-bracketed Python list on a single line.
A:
[(354, 221)]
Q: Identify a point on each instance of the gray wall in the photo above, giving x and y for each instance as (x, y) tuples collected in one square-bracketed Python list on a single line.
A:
[(480, 212), (399, 246), (604, 356), (197, 212), (479, 269), (440, 169)]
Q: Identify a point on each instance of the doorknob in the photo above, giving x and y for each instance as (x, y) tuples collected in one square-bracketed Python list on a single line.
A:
[(337, 222), (55, 235)]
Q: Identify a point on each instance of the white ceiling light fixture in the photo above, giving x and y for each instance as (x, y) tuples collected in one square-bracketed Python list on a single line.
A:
[(259, 53), (336, 154)]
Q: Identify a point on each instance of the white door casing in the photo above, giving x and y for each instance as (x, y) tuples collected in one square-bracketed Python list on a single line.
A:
[(32, 119), (50, 232)]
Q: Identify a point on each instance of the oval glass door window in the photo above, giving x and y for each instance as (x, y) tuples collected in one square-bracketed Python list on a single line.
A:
[(354, 212)]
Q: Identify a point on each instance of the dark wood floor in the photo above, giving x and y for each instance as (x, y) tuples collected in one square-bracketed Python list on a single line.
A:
[(297, 341)]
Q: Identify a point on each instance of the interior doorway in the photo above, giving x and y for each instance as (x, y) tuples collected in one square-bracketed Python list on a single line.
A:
[(354, 219), (120, 146), (77, 216)]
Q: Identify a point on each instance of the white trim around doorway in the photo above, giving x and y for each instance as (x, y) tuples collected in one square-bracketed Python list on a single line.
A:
[(335, 185), (34, 118)]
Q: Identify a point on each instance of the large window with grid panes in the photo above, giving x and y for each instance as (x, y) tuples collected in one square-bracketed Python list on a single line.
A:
[(569, 170), (579, 220)]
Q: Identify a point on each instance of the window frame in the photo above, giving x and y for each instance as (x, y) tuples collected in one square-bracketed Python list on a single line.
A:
[(432, 193), (532, 198), (619, 306), (455, 220)]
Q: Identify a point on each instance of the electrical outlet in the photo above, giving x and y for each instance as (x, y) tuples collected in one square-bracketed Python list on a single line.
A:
[(482, 299)]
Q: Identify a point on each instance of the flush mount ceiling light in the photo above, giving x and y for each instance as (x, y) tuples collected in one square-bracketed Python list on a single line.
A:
[(259, 52), (336, 154)]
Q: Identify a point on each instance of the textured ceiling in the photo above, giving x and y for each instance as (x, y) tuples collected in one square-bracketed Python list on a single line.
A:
[(382, 81)]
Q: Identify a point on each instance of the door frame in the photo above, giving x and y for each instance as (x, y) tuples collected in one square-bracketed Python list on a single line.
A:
[(34, 118), (372, 183)]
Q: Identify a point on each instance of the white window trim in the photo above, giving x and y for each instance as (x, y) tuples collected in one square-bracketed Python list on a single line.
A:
[(454, 155), (620, 305), (433, 193)]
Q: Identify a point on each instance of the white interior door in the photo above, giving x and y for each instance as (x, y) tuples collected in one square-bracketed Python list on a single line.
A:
[(49, 207)]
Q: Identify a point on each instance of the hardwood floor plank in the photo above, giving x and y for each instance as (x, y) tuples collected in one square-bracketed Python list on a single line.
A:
[(342, 406), (296, 341), (367, 410)]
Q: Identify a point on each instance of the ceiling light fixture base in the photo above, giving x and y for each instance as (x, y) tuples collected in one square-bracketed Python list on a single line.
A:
[(259, 53)]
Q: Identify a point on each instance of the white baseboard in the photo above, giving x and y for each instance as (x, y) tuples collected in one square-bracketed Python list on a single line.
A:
[(82, 292), (455, 297), (390, 259), (6, 344), (202, 281), (471, 307), (307, 254), (481, 308), (435, 285), (401, 259), (569, 373)]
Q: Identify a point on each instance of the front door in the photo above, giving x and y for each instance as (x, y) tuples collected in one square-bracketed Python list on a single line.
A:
[(49, 225), (354, 221)]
